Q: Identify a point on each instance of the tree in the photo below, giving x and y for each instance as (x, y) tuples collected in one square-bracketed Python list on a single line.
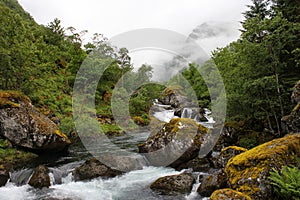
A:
[(259, 69)]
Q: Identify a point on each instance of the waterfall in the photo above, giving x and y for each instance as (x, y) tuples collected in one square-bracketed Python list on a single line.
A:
[(187, 113)]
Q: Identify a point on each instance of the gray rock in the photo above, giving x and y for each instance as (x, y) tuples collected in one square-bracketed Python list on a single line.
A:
[(226, 154), (212, 182), (4, 176), (40, 177), (24, 127), (291, 123), (175, 143), (174, 184), (93, 168), (296, 93)]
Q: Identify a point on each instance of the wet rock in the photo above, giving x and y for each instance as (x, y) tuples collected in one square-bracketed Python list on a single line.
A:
[(40, 177), (228, 194), (192, 113), (291, 123), (229, 135), (248, 172), (173, 97), (212, 182), (24, 127), (296, 93), (4, 176), (226, 154), (197, 165), (175, 143), (174, 184), (93, 168), (238, 134)]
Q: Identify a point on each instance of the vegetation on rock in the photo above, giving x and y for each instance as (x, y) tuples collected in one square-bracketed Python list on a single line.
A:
[(248, 171), (228, 194)]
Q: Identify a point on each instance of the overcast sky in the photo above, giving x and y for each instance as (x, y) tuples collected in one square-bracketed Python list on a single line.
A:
[(111, 17)]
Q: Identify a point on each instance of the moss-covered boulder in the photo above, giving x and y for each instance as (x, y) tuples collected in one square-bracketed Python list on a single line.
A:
[(240, 134), (248, 172), (175, 143), (228, 194), (174, 184), (226, 154), (40, 177), (174, 96), (93, 168), (24, 127), (212, 182)]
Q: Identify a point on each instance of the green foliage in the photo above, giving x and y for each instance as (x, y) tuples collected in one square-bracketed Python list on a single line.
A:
[(197, 84), (111, 129), (247, 142), (286, 182), (260, 69)]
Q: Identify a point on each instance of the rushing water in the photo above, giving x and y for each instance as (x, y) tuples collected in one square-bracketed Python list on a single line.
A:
[(132, 185)]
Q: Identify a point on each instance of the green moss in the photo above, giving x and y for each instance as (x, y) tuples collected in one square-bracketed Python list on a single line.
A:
[(139, 120), (174, 89), (4, 143), (247, 142), (246, 170), (111, 129), (236, 125), (236, 148), (226, 194), (12, 99), (13, 158)]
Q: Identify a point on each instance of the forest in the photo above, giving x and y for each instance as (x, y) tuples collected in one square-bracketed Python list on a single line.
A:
[(259, 71)]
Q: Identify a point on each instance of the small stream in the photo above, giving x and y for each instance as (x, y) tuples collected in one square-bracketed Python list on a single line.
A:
[(132, 185)]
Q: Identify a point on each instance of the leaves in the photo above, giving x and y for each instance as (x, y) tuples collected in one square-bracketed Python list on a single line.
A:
[(286, 182)]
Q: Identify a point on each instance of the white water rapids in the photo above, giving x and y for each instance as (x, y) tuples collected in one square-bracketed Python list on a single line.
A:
[(134, 185)]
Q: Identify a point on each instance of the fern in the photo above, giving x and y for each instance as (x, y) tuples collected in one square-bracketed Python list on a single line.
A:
[(286, 182)]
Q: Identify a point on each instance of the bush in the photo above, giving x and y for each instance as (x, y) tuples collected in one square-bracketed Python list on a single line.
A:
[(286, 182)]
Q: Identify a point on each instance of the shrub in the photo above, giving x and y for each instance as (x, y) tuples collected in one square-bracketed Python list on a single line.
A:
[(286, 182)]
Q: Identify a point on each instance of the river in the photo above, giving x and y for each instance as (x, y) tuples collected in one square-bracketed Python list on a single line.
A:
[(129, 186)]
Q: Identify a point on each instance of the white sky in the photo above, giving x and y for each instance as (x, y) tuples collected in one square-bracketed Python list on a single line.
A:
[(111, 17)]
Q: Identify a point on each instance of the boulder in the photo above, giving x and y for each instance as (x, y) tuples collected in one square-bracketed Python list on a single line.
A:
[(296, 93), (248, 172), (40, 177), (4, 176), (24, 127), (197, 165), (229, 135), (228, 194), (212, 182), (174, 96), (93, 168), (174, 184), (175, 143), (226, 154), (238, 134), (291, 123)]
